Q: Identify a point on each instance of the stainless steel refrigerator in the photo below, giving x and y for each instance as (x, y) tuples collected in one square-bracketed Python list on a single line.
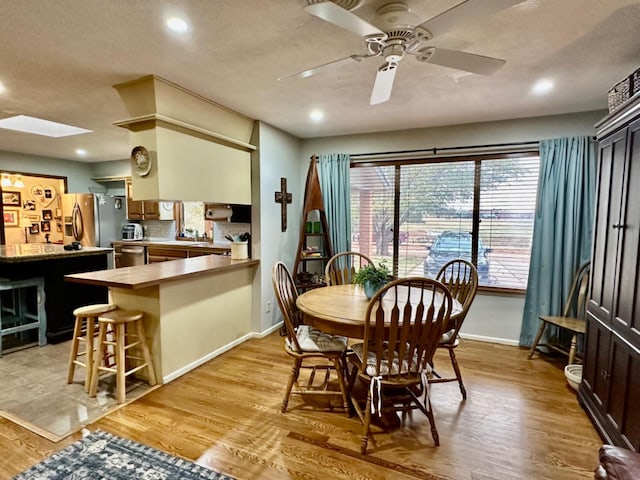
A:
[(95, 220)]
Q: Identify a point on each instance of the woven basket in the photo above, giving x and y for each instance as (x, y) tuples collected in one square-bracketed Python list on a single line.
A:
[(635, 82), (620, 93)]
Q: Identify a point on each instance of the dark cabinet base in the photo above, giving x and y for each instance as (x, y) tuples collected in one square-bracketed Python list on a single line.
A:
[(61, 297)]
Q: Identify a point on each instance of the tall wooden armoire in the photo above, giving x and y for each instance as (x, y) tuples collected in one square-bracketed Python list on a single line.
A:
[(610, 388)]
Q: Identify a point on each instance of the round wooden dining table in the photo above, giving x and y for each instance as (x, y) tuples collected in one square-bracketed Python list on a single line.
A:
[(340, 309)]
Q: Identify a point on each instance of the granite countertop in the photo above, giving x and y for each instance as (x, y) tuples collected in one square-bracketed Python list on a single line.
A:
[(41, 251)]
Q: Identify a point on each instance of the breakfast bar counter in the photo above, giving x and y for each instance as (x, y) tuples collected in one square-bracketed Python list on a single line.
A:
[(194, 308)]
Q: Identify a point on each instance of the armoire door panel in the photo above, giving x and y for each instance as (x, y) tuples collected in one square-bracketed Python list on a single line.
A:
[(608, 205), (625, 363), (596, 369), (631, 427), (627, 300)]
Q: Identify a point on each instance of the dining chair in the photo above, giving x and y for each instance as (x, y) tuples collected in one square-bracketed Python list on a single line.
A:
[(403, 324), (308, 347), (573, 315), (342, 267), (461, 278)]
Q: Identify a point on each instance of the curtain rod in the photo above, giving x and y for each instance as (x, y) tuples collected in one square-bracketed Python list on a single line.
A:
[(450, 151)]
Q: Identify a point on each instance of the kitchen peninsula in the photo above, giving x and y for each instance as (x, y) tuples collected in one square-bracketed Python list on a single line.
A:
[(53, 262), (194, 307)]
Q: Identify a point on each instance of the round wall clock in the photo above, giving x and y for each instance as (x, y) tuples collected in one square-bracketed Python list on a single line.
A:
[(140, 161)]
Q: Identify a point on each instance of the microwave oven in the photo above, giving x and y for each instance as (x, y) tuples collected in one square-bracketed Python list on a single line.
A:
[(132, 231)]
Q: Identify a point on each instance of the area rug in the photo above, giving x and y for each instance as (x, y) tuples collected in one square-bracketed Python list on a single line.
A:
[(101, 455)]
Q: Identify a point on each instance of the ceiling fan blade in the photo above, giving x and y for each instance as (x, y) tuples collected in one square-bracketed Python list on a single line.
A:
[(313, 70), (466, 12), (332, 13), (384, 83), (469, 62)]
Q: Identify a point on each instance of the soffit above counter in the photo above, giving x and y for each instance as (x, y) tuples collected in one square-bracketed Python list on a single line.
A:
[(153, 98), (197, 150)]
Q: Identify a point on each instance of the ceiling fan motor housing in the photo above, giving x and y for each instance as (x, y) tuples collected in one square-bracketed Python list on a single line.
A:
[(395, 17), (393, 52)]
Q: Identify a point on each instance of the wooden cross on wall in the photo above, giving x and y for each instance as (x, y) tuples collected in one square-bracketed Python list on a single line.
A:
[(283, 198)]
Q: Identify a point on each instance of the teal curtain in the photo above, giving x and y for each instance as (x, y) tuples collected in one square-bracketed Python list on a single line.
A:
[(333, 172), (562, 229)]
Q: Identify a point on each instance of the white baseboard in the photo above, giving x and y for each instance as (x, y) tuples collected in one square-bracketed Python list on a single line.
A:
[(178, 373), (482, 338), (277, 326)]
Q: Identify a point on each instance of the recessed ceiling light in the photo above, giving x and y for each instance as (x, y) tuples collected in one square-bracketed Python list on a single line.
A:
[(38, 126), (81, 152), (177, 25), (316, 115), (542, 87), (3, 89)]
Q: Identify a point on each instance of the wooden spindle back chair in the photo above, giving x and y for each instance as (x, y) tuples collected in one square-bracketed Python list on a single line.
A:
[(308, 347), (461, 278), (342, 267), (404, 322)]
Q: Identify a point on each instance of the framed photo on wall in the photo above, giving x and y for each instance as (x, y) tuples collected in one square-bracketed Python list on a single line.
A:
[(12, 199), (34, 228), (46, 215), (11, 218), (45, 226)]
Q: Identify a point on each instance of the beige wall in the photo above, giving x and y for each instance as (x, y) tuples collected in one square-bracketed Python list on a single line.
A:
[(201, 317)]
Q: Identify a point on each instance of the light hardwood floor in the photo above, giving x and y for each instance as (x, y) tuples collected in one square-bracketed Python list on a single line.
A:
[(520, 421)]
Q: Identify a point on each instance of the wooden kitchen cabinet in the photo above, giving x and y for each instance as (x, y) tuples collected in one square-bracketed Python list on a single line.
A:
[(610, 385), (164, 254), (140, 209)]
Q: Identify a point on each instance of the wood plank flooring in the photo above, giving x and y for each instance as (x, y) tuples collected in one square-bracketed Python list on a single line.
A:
[(520, 421)]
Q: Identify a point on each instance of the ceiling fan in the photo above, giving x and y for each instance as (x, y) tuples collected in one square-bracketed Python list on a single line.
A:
[(396, 31)]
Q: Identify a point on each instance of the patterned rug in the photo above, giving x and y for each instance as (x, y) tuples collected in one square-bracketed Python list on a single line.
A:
[(101, 455)]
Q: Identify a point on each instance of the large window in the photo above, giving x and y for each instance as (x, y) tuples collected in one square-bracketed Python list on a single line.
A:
[(419, 215)]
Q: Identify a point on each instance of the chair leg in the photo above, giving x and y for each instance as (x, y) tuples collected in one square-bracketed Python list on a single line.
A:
[(102, 332), (89, 345), (365, 428), (434, 430), (295, 371), (142, 337), (74, 350), (572, 350), (343, 389), (121, 387), (427, 409), (543, 325), (456, 368)]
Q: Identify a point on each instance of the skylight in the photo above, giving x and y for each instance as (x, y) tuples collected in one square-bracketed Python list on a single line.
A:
[(38, 126)]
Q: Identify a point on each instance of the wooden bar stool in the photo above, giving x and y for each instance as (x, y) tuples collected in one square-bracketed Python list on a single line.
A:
[(128, 329), (84, 330)]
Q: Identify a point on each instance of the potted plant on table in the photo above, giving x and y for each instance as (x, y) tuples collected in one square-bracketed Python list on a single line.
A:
[(372, 278)]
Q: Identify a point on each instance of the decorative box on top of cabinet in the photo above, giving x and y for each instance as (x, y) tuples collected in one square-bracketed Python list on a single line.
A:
[(610, 388)]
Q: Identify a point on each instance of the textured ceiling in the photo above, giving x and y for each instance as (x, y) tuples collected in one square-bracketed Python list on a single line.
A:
[(59, 61)]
